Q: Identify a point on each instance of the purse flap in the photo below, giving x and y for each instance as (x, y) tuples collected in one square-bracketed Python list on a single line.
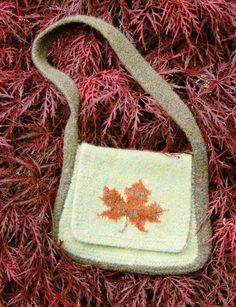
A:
[(132, 198)]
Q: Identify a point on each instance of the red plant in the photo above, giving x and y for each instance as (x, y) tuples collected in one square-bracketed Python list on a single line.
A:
[(191, 44)]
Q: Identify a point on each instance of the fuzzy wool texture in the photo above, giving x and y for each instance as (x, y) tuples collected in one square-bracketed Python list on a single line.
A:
[(170, 243), (190, 43), (167, 177)]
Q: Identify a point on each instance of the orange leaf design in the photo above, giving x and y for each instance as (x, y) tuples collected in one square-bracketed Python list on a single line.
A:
[(137, 194), (136, 209), (115, 202)]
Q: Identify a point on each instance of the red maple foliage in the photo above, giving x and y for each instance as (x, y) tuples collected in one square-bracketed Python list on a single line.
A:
[(191, 43), (135, 208)]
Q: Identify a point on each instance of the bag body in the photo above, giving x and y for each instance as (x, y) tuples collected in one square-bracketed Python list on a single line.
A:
[(125, 209)]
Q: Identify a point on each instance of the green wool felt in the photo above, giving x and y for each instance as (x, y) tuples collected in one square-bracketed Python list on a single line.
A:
[(146, 254), (197, 251), (167, 177)]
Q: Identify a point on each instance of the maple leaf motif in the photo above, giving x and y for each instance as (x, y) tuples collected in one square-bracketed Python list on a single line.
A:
[(115, 202), (138, 193), (136, 209)]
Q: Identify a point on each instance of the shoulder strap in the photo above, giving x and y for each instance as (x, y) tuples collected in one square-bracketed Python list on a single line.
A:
[(140, 70)]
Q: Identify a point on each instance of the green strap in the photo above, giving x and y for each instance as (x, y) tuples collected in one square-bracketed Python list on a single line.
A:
[(145, 75)]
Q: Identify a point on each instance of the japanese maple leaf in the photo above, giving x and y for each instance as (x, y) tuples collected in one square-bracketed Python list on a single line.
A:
[(136, 209)]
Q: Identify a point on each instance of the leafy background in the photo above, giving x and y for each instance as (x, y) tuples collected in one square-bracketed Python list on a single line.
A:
[(191, 44)]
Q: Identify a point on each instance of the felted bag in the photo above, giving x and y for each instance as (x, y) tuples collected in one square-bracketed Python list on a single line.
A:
[(125, 209)]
